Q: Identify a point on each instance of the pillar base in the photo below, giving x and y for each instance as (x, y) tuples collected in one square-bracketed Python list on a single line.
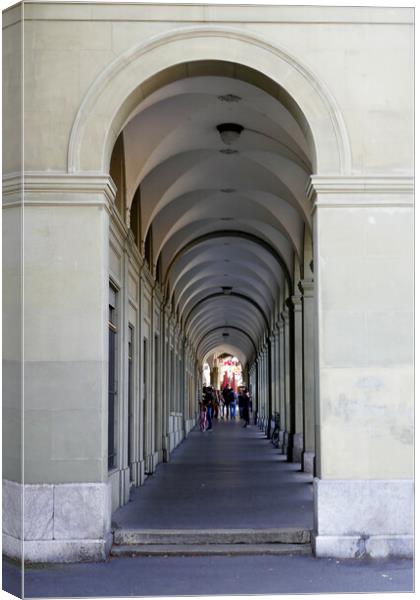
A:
[(57, 551), (356, 518), (378, 546), (297, 448), (166, 452), (308, 462), (286, 442), (69, 522), (151, 462)]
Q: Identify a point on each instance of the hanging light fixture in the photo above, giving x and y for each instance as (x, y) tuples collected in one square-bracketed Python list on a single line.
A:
[(229, 132)]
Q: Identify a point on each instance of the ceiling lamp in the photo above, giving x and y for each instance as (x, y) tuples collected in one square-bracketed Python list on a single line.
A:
[(229, 98), (229, 132)]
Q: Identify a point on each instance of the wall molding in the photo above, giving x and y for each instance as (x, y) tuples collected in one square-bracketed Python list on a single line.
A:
[(39, 189), (359, 191)]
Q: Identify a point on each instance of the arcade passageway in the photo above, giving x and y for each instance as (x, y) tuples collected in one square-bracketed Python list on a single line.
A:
[(211, 218), (204, 182)]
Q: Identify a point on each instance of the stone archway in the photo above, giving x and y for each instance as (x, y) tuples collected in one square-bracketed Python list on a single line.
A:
[(118, 90)]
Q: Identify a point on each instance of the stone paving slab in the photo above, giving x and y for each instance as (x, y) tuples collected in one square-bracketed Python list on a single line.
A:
[(230, 478)]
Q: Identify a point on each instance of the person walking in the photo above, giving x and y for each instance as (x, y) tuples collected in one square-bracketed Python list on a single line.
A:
[(244, 405), (225, 394), (232, 403), (208, 402)]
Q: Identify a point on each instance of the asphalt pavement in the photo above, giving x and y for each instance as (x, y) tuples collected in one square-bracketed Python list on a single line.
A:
[(207, 575)]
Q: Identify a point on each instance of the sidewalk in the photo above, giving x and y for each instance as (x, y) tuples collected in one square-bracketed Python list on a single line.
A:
[(231, 477)]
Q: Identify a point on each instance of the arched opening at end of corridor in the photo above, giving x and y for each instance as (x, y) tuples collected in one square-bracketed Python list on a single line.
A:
[(211, 166), (223, 370)]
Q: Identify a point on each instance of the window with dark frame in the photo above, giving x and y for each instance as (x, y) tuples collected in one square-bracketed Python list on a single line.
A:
[(112, 378), (130, 394)]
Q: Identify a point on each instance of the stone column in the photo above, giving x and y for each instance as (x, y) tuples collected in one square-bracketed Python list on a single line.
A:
[(276, 370), (281, 385), (13, 356), (308, 458), (269, 386), (298, 379), (67, 497), (166, 384), (363, 258), (257, 392), (287, 440), (262, 394), (264, 387)]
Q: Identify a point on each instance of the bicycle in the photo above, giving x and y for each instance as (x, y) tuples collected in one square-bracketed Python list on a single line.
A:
[(275, 436)]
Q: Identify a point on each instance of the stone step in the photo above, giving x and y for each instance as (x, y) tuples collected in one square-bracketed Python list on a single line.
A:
[(289, 535), (209, 549)]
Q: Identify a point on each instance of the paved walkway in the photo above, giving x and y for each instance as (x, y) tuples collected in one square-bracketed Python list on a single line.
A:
[(231, 477)]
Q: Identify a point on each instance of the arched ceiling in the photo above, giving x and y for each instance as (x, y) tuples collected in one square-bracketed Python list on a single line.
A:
[(228, 220)]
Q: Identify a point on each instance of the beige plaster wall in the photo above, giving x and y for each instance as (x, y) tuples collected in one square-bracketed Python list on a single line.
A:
[(63, 57), (364, 293), (12, 66), (12, 223), (12, 390), (65, 312)]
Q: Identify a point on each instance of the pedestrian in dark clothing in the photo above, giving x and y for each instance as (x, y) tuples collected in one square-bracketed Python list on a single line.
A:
[(232, 403), (208, 402), (225, 394), (244, 404)]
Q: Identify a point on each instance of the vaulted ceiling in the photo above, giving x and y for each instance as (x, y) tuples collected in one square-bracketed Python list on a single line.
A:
[(228, 220)]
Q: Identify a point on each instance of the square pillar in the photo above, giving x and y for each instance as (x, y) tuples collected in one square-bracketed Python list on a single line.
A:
[(298, 379), (308, 458), (65, 487), (287, 438), (363, 241)]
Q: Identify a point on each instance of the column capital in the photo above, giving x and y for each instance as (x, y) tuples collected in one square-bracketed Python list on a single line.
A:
[(356, 190), (296, 302), (60, 189), (306, 286), (285, 316)]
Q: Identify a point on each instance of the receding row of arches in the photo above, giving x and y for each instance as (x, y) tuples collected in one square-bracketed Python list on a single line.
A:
[(212, 222)]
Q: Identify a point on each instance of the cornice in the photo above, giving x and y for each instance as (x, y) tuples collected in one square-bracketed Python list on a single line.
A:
[(146, 275), (118, 224), (202, 12), (377, 190), (39, 189), (158, 292), (132, 250)]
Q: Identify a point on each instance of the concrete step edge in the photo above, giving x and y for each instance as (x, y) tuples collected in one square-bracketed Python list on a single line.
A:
[(213, 536), (209, 549)]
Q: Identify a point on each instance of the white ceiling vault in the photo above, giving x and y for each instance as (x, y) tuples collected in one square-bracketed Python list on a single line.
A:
[(228, 220)]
